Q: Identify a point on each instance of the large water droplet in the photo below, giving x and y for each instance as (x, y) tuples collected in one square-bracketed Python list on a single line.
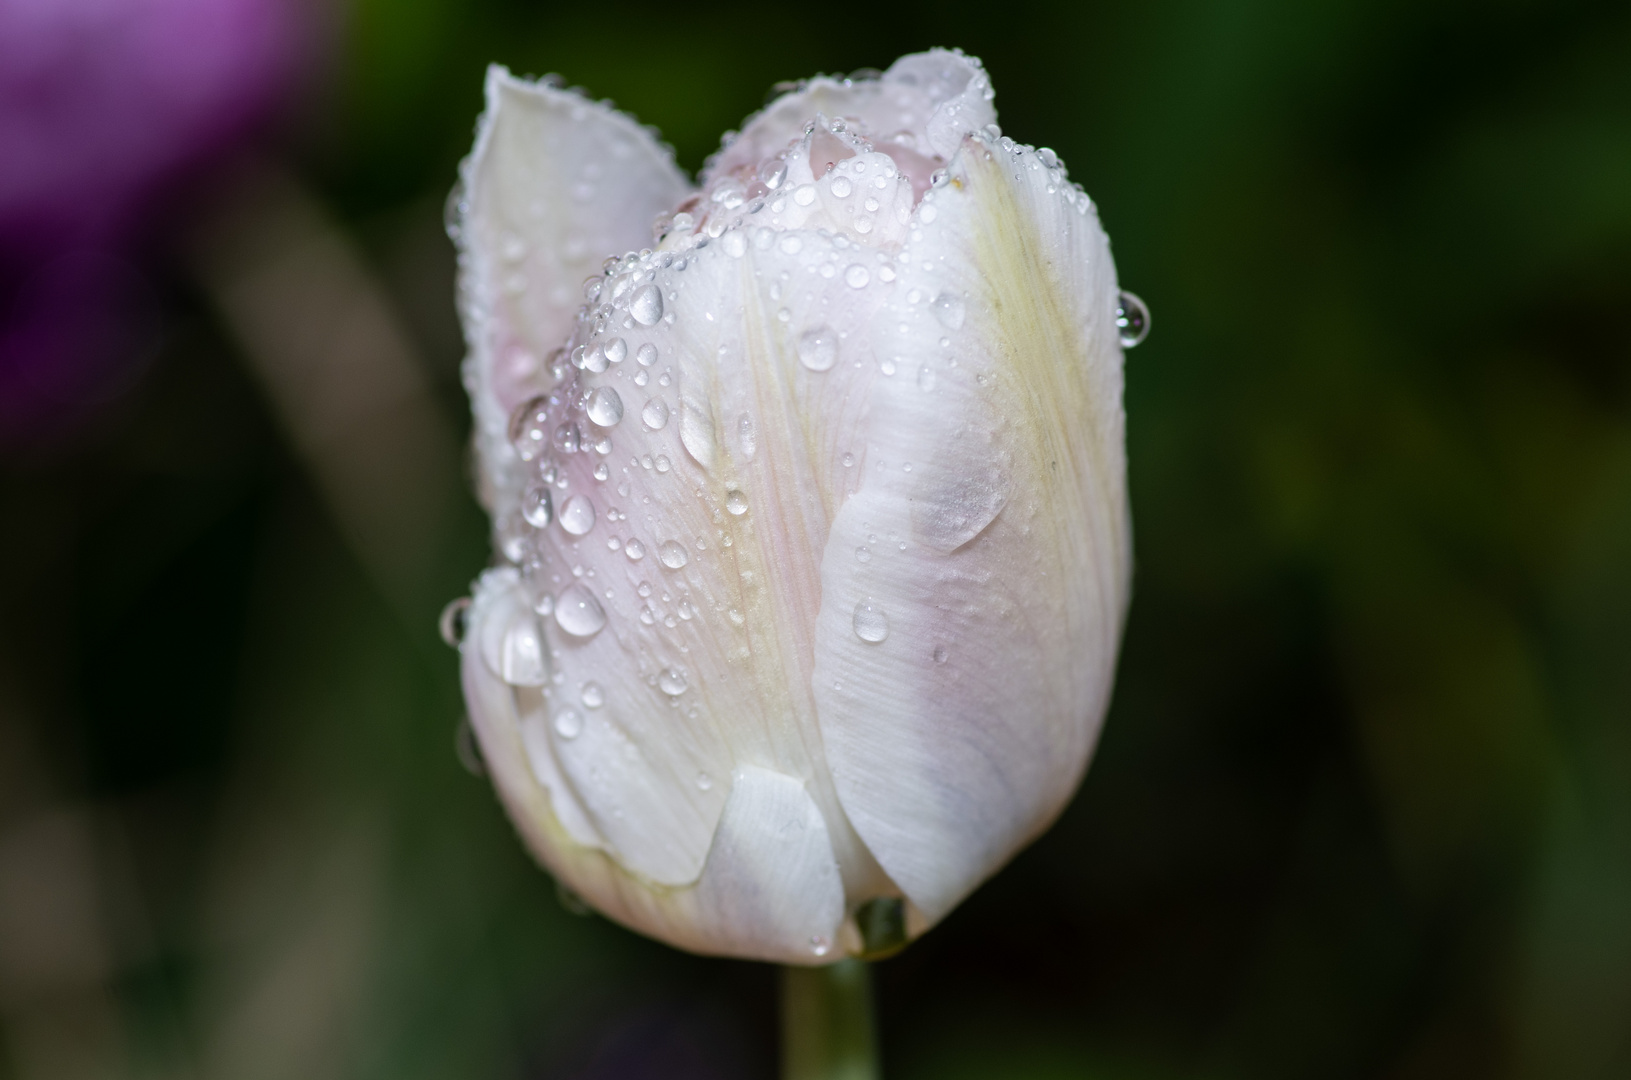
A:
[(536, 506), (857, 276), (568, 438), (736, 502), (671, 553), (578, 515), (468, 749), (455, 621), (635, 550), (655, 414), (646, 354), (604, 407), (818, 348), (819, 945), (949, 309), (594, 359), (1132, 320), (841, 187), (672, 682), (617, 350), (578, 612), (882, 923), (521, 654), (529, 425), (647, 304), (568, 724), (871, 624)]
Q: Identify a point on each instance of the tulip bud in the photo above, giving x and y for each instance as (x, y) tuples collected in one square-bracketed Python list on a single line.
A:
[(811, 508)]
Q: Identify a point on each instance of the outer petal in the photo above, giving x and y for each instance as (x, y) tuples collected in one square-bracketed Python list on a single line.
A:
[(994, 520), (920, 107), (554, 185), (770, 887)]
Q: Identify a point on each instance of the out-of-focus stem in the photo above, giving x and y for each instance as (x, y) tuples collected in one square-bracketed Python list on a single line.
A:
[(827, 1029)]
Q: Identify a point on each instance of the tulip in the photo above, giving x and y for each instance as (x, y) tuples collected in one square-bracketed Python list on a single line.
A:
[(811, 508)]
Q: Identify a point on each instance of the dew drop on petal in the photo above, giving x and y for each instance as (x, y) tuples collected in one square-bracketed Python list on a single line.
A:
[(940, 654), (704, 781), (655, 414), (617, 350), (819, 945), (671, 553), (857, 276), (672, 682), (862, 554), (454, 621), (605, 407), (736, 503), (536, 506), (1132, 319), (579, 613), (594, 359), (949, 309), (871, 624), (568, 724), (841, 187), (592, 695), (647, 304), (646, 354), (804, 195), (818, 348), (635, 550), (528, 428), (578, 515)]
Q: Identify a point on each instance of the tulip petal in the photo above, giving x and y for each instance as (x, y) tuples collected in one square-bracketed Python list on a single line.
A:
[(918, 110), (963, 666), (772, 887), (554, 185)]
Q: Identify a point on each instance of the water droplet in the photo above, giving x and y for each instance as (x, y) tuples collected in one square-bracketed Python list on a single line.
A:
[(454, 621), (635, 550), (1132, 320), (704, 781), (468, 749), (949, 309), (819, 945), (578, 515), (528, 425), (594, 359), (841, 187), (672, 682), (745, 435), (646, 354), (882, 923), (605, 407), (871, 624), (603, 472), (736, 503), (647, 304), (568, 438), (617, 350), (663, 464), (849, 461), (773, 172), (579, 613), (857, 276), (863, 554), (592, 695), (818, 348), (940, 654), (655, 414), (521, 653), (804, 195), (568, 724), (536, 506), (671, 553)]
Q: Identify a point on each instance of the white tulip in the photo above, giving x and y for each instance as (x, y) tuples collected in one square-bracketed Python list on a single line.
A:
[(813, 519)]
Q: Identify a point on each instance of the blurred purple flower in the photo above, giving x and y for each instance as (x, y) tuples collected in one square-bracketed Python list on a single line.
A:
[(105, 106)]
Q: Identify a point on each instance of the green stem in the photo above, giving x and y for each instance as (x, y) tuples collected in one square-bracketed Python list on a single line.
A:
[(827, 1022)]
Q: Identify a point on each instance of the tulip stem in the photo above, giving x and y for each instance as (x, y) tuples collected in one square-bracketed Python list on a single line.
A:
[(827, 1030)]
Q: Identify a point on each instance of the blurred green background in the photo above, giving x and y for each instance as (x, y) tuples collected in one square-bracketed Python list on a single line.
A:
[(1363, 802)]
